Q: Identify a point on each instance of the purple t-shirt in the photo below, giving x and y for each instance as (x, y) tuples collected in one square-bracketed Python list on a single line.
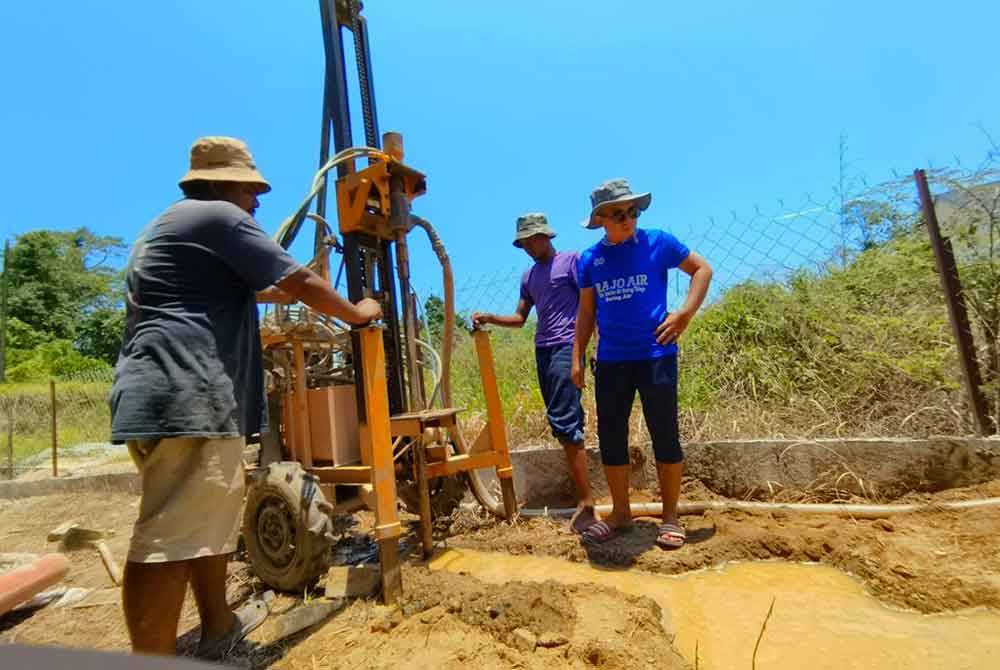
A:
[(552, 288)]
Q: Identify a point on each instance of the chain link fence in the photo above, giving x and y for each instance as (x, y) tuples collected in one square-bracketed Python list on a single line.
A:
[(825, 319)]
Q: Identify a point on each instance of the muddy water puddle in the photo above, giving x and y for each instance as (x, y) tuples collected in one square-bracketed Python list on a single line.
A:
[(822, 617)]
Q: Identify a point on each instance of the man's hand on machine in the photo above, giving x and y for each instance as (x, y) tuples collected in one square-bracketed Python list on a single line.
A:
[(480, 319), (368, 310)]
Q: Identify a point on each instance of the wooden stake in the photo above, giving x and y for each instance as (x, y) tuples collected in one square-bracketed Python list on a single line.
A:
[(10, 442), (55, 433)]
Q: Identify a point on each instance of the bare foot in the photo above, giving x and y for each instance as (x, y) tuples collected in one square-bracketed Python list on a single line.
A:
[(619, 522)]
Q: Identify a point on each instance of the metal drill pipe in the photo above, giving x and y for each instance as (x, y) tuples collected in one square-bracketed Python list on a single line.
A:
[(399, 218)]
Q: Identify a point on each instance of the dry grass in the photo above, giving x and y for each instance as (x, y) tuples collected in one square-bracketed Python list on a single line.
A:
[(26, 417)]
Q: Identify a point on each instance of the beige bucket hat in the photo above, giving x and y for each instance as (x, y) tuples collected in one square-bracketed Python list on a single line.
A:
[(223, 159)]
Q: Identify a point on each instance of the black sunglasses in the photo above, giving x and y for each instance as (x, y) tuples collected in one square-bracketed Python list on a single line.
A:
[(620, 215)]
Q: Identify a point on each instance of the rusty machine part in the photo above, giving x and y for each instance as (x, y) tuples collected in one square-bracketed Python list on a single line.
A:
[(352, 422)]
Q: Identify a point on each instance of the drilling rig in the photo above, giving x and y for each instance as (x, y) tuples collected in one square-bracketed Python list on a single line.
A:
[(362, 417)]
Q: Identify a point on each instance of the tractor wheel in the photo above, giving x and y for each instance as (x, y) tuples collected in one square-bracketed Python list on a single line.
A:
[(286, 527)]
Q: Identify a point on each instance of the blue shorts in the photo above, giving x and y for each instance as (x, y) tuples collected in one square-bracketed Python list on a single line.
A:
[(615, 386), (561, 396)]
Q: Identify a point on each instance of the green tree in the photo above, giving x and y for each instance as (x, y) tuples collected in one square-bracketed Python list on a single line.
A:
[(56, 358), (434, 316), (22, 336), (55, 277), (100, 334)]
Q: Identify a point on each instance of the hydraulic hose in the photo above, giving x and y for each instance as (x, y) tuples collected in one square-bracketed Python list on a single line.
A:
[(448, 281), (286, 233), (290, 226), (857, 511), (479, 488)]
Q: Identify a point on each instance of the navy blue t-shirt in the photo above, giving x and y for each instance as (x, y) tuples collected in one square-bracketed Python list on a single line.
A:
[(630, 289), (190, 362)]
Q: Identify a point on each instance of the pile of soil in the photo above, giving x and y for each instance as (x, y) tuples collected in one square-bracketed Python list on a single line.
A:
[(455, 621)]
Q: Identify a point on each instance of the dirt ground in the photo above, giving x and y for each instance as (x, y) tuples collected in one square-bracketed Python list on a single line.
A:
[(930, 563), (455, 621)]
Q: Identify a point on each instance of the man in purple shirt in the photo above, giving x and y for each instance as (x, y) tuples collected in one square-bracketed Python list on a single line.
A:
[(550, 286)]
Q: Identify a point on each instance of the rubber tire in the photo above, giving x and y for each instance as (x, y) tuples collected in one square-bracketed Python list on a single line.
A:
[(286, 487)]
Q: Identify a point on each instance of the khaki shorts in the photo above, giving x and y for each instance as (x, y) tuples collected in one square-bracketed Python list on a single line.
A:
[(192, 498)]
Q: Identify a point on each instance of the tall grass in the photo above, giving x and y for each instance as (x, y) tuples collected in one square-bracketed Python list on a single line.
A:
[(26, 413), (860, 350), (517, 382)]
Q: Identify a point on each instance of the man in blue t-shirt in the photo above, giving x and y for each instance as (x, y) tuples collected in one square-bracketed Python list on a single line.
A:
[(623, 286), (550, 286)]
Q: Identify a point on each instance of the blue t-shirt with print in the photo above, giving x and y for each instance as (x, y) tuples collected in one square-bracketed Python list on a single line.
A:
[(630, 289)]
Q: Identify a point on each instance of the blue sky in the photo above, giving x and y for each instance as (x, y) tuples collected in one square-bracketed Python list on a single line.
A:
[(508, 107)]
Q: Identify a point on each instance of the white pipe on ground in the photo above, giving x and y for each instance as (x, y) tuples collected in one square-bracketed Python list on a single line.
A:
[(857, 511)]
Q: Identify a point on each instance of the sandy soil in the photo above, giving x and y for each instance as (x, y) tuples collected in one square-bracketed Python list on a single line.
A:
[(930, 563)]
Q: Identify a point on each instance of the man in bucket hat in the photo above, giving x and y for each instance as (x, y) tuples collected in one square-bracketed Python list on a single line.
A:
[(550, 286), (189, 389), (623, 287)]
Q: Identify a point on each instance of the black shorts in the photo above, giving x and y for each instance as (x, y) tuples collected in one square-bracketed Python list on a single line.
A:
[(656, 381)]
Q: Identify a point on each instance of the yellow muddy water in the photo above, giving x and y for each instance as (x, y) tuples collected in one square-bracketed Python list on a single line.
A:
[(822, 617)]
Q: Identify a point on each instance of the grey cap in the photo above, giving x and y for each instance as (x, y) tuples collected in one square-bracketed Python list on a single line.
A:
[(532, 224), (611, 191)]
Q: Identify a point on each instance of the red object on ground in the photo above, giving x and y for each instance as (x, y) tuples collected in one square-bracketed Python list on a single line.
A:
[(23, 583)]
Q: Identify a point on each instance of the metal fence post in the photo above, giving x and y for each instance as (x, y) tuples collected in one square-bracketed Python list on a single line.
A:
[(959, 315), (55, 434)]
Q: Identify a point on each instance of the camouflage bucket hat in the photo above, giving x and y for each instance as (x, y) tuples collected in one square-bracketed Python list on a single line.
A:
[(532, 224), (613, 191), (223, 159)]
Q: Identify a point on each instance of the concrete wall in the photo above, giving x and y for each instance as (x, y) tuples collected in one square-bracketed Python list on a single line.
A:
[(886, 467), (127, 482)]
